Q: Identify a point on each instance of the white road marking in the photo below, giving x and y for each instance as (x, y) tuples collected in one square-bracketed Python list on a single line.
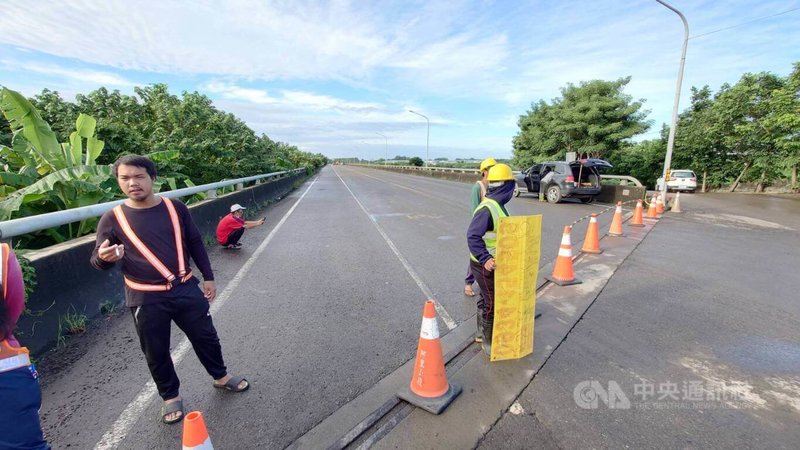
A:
[(451, 324), (732, 220), (128, 418), (425, 194)]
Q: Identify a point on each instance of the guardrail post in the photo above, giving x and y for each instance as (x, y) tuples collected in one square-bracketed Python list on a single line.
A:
[(239, 186), (211, 193)]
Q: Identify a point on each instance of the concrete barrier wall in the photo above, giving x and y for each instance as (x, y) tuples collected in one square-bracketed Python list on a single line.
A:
[(468, 177), (608, 194), (67, 283), (617, 193)]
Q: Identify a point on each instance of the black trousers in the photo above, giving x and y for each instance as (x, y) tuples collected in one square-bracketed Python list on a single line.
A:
[(191, 313), (234, 237), (485, 300)]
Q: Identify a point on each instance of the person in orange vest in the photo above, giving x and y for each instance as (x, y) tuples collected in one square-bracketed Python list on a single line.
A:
[(475, 198), (19, 382), (482, 244), (231, 227), (154, 237)]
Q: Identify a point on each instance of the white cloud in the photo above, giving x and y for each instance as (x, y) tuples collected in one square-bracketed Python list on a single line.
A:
[(86, 76), (230, 91), (325, 102), (351, 68), (257, 40), (242, 38)]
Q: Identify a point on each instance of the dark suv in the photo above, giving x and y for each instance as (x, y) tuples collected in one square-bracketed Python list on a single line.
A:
[(576, 179)]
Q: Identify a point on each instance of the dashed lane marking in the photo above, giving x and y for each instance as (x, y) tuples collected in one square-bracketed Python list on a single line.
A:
[(451, 324)]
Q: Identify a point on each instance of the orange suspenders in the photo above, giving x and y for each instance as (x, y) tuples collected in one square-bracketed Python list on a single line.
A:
[(151, 258)]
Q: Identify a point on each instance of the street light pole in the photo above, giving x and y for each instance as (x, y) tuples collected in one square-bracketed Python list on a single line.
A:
[(428, 140), (673, 127), (387, 147)]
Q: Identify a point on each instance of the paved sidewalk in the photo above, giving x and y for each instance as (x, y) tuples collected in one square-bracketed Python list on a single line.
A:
[(698, 331)]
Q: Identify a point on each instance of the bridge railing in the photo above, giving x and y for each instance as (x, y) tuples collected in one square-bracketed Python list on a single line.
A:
[(24, 225), (623, 178)]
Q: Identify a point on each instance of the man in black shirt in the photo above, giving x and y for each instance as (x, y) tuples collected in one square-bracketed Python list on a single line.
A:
[(154, 238)]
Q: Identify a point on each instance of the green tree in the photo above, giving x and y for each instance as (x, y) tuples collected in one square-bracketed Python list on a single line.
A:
[(57, 112), (741, 116), (120, 121), (591, 119), (40, 175), (783, 123), (415, 161), (643, 160), (697, 145), (189, 139)]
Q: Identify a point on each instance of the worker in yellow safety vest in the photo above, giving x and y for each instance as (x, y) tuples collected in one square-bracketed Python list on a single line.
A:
[(475, 198), (482, 243), (20, 393)]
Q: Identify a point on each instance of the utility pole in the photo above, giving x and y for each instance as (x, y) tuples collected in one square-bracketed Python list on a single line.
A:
[(428, 140), (673, 127)]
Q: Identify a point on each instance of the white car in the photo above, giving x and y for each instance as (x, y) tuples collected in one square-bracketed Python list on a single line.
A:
[(679, 180)]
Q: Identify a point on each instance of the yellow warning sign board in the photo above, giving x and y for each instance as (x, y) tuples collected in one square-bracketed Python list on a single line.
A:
[(518, 248)]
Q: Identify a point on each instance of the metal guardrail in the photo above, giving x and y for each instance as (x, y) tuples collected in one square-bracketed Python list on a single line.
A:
[(429, 168), (636, 182), (24, 225), (476, 171), (419, 168)]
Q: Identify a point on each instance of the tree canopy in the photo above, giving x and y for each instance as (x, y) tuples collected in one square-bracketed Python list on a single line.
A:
[(591, 119), (55, 155), (213, 144), (746, 132)]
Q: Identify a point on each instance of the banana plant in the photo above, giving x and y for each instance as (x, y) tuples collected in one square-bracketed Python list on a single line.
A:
[(42, 175), (73, 150), (33, 141)]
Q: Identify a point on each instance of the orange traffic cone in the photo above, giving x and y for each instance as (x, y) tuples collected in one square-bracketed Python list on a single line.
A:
[(676, 203), (195, 435), (637, 221), (591, 244), (563, 272), (660, 205), (616, 222), (429, 388), (651, 210)]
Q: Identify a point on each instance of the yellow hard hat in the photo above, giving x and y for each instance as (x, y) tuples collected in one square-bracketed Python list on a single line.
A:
[(488, 162), (500, 172)]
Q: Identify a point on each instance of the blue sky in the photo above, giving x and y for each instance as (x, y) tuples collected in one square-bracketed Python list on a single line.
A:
[(328, 76)]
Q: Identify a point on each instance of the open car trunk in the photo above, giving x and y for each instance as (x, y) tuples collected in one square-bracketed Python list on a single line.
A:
[(586, 174)]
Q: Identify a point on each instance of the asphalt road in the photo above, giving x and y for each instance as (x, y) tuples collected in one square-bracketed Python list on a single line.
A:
[(321, 304), (708, 300)]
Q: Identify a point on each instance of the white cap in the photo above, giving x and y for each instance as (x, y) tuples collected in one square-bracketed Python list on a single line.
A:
[(236, 207)]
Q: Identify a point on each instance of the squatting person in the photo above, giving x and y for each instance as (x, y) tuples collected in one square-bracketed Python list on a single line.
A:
[(231, 227)]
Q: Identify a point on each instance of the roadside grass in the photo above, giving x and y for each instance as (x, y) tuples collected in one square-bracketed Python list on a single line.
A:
[(73, 322), (109, 308)]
